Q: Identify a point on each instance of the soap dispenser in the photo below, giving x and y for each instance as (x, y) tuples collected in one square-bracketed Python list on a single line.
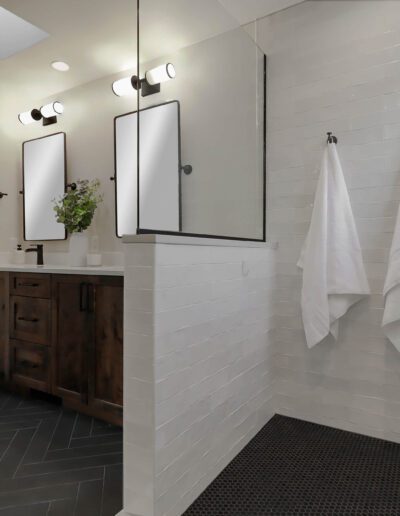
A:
[(19, 255)]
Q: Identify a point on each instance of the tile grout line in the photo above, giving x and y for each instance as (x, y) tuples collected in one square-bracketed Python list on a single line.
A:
[(52, 435), (73, 429), (102, 492), (77, 498), (73, 458), (26, 450), (6, 450)]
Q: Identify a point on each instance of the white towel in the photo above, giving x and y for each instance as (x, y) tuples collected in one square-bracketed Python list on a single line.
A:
[(333, 272), (391, 291)]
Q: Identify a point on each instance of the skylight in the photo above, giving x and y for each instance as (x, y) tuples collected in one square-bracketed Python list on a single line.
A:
[(17, 34)]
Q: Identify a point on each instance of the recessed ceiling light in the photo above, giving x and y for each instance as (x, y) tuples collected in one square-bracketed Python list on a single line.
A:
[(60, 66)]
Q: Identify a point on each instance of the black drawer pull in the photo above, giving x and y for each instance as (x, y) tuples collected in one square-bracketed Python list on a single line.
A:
[(27, 319), (27, 363), (27, 284)]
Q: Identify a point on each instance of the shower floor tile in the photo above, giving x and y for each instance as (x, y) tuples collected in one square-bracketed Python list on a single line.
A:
[(293, 467)]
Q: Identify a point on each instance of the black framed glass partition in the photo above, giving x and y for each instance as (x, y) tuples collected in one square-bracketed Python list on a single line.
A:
[(217, 74)]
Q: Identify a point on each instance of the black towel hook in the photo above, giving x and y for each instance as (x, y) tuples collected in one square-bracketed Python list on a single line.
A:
[(331, 138)]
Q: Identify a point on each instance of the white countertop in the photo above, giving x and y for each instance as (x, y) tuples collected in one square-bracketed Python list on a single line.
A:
[(64, 269)]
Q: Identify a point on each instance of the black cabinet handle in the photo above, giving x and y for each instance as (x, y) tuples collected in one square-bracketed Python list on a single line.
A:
[(83, 297), (27, 319), (27, 284)]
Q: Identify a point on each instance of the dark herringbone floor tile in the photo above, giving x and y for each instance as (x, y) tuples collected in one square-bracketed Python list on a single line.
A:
[(55, 462)]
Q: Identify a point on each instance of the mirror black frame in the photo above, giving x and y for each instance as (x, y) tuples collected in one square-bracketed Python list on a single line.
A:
[(23, 184), (115, 177)]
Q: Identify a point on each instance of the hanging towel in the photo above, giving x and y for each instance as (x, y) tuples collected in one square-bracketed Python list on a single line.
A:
[(333, 272), (391, 291)]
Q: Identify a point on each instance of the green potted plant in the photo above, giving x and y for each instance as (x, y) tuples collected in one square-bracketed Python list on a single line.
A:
[(75, 209)]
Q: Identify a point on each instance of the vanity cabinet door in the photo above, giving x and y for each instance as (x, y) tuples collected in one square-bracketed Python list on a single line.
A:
[(106, 349), (3, 325), (73, 319)]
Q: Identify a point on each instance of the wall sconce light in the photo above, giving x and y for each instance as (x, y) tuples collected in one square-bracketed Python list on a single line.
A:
[(47, 113), (28, 117), (149, 85)]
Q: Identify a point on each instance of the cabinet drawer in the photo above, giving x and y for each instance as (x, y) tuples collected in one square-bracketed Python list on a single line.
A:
[(31, 285), (29, 364), (30, 319)]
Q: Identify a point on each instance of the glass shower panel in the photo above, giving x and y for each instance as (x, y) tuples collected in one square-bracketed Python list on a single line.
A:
[(210, 79)]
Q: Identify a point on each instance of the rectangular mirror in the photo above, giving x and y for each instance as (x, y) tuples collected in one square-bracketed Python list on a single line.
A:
[(159, 179), (44, 179)]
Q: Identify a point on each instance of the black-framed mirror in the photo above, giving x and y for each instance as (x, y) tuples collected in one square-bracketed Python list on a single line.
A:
[(44, 178), (160, 149)]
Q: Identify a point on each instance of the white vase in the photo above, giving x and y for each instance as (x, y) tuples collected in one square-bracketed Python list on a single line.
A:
[(78, 249)]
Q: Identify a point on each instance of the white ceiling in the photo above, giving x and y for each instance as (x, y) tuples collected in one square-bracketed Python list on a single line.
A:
[(17, 34), (246, 11), (98, 38), (95, 42)]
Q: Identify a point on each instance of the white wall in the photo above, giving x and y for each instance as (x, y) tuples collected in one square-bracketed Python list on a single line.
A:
[(221, 138), (88, 124), (335, 66), (198, 379)]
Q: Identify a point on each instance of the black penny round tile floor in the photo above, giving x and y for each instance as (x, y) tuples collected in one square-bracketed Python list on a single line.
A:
[(293, 467)]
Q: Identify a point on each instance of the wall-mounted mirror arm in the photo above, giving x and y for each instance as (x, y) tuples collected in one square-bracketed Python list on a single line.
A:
[(187, 169), (3, 194), (72, 186), (112, 178)]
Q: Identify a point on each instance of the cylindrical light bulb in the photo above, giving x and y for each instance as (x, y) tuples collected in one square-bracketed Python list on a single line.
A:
[(123, 87), (26, 118), (52, 109), (161, 73)]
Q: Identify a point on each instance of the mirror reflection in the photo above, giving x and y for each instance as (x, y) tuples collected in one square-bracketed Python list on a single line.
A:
[(159, 171), (44, 178)]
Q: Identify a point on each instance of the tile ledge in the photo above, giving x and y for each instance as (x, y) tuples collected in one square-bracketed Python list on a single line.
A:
[(189, 240)]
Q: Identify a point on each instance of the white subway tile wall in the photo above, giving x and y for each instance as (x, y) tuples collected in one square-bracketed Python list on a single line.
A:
[(198, 367), (335, 66)]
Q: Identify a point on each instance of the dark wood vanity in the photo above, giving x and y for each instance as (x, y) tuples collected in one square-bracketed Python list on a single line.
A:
[(62, 334)]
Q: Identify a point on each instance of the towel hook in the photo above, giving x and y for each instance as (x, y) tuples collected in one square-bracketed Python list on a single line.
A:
[(331, 138)]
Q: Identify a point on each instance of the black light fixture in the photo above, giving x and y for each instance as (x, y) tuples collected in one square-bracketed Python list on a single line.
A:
[(150, 84), (48, 113)]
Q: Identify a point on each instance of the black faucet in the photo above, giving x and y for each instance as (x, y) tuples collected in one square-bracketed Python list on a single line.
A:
[(39, 250)]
